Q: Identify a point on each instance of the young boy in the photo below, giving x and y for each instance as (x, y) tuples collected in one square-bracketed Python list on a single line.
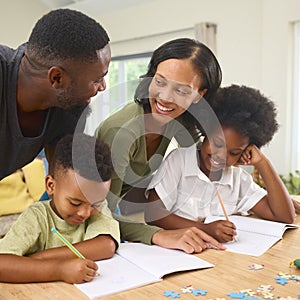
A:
[(78, 184), (184, 190)]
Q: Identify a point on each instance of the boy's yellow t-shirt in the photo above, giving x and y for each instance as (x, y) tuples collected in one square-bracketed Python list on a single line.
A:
[(31, 232)]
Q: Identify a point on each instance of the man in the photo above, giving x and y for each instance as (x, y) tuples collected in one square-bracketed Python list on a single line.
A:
[(47, 83), (46, 86)]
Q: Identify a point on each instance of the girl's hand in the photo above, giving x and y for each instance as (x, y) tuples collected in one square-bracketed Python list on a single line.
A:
[(223, 231), (77, 270), (252, 156), (296, 206)]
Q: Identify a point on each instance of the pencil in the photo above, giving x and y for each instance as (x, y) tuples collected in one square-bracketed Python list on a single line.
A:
[(222, 205), (67, 243), (224, 209)]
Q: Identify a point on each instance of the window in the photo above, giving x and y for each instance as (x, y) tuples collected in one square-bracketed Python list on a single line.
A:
[(296, 102), (121, 80), (123, 77)]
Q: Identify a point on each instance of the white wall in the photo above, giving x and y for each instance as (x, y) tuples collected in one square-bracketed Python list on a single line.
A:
[(277, 70), (254, 43), (17, 18)]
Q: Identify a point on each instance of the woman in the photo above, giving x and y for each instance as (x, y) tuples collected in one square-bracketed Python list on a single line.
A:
[(167, 104)]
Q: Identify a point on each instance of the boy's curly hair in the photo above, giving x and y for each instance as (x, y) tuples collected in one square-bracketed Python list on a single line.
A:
[(89, 157), (247, 111)]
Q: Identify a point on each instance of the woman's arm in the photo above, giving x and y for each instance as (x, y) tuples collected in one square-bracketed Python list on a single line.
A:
[(21, 269), (277, 204)]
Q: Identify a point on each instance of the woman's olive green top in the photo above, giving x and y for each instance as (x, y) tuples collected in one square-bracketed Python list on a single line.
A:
[(124, 132)]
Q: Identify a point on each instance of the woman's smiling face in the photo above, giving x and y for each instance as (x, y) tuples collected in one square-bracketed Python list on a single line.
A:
[(174, 87)]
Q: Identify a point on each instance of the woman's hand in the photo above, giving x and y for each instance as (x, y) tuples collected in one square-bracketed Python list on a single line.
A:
[(190, 240)]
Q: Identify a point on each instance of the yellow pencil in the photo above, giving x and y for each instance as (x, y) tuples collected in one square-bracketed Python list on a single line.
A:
[(69, 245), (223, 208)]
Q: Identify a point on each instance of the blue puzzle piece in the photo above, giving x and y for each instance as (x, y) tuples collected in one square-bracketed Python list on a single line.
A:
[(199, 292), (281, 280), (171, 294), (236, 295)]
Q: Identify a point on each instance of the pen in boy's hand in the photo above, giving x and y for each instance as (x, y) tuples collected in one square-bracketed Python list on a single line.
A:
[(68, 244)]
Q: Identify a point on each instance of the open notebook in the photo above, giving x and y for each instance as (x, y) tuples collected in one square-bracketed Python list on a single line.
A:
[(254, 236), (136, 265)]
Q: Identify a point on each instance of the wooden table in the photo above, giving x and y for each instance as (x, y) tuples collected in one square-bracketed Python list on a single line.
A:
[(230, 274)]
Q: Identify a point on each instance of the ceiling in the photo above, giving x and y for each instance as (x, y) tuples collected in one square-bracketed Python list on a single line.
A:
[(95, 7)]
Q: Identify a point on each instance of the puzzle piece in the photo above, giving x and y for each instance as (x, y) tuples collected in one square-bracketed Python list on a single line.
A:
[(250, 298), (236, 295), (281, 280), (187, 289), (248, 292), (295, 277), (266, 295), (284, 275), (265, 288), (256, 267), (199, 292), (171, 294)]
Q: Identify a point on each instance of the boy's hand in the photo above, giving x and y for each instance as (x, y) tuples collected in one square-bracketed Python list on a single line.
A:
[(222, 230), (190, 240), (252, 156), (77, 270)]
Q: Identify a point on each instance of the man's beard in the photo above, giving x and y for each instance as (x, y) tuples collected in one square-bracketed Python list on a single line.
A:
[(66, 100)]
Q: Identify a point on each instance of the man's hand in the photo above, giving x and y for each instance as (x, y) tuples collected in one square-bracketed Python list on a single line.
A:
[(190, 240)]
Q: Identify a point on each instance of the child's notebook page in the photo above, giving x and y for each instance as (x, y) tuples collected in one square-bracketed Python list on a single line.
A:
[(254, 236), (160, 261), (116, 275)]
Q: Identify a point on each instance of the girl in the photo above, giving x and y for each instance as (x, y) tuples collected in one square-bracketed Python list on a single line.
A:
[(184, 190)]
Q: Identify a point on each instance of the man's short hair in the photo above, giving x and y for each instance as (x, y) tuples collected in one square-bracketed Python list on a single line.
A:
[(65, 34)]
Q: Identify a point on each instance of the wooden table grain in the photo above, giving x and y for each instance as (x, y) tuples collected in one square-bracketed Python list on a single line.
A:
[(230, 274)]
